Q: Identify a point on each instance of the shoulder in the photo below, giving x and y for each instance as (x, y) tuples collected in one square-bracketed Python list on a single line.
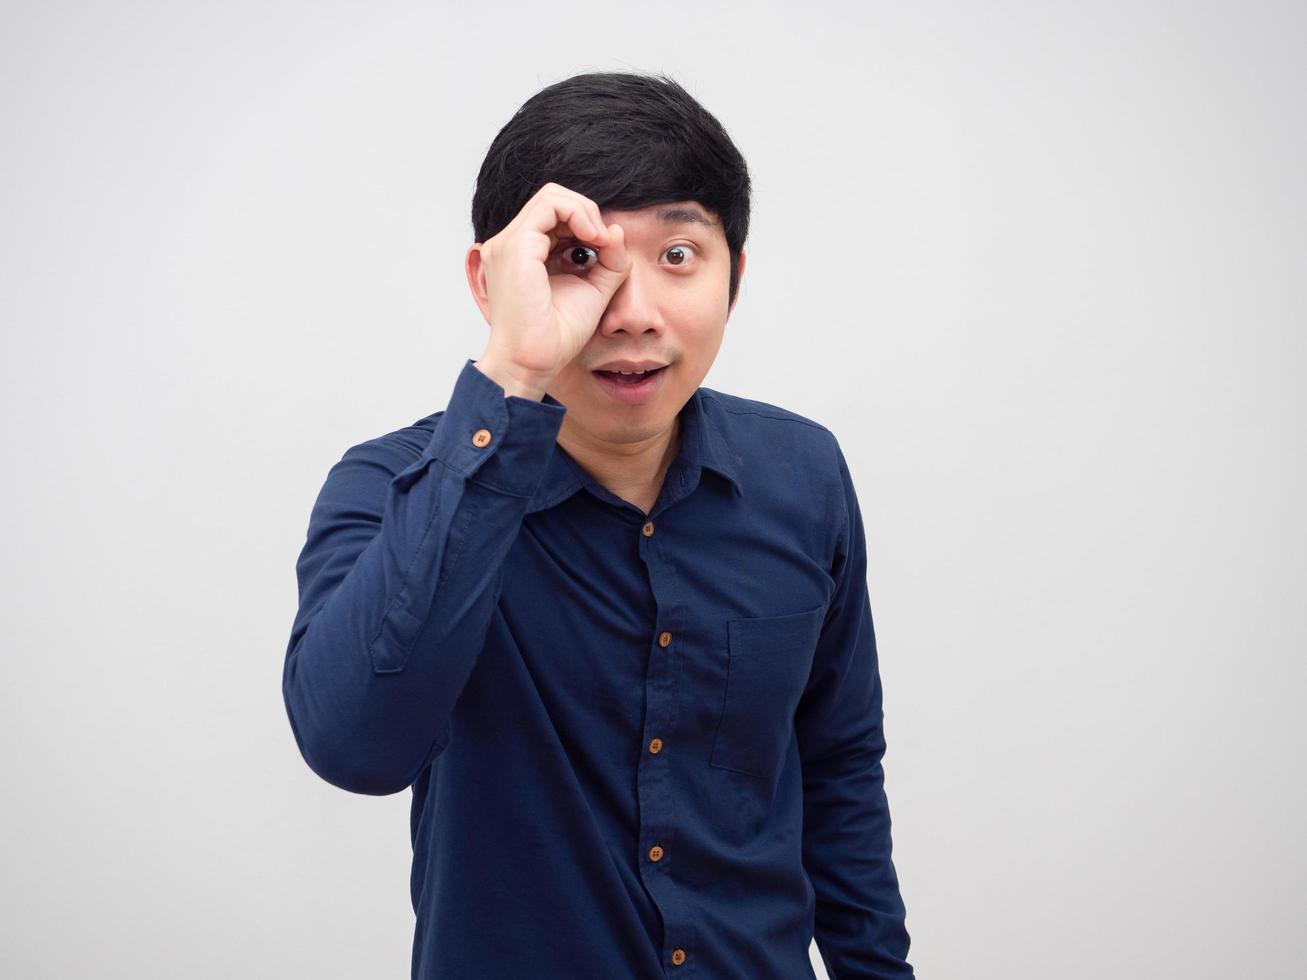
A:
[(789, 464), (396, 449), (752, 425)]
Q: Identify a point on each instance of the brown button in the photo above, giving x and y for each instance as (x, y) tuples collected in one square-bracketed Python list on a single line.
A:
[(655, 745), (655, 853), (647, 530), (678, 956), (664, 638), (481, 438)]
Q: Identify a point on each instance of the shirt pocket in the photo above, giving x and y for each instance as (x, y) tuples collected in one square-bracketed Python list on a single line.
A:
[(768, 661)]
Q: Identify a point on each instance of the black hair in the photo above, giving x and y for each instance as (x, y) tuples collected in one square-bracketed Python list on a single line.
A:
[(623, 139)]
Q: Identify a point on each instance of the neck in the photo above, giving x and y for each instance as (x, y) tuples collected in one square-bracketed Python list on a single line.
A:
[(633, 471)]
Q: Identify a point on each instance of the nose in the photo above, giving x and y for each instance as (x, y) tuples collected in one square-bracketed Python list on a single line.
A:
[(634, 307)]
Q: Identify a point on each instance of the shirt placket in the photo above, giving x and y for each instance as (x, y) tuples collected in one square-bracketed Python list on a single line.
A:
[(655, 781)]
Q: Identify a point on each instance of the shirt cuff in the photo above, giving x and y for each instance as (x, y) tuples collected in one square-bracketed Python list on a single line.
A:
[(518, 433)]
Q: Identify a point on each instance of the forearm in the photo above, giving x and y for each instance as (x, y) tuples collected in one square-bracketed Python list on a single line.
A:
[(399, 577), (847, 851)]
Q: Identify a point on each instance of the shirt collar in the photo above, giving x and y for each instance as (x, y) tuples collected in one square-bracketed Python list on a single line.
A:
[(704, 445)]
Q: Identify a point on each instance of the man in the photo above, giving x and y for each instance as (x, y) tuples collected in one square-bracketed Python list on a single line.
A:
[(612, 627)]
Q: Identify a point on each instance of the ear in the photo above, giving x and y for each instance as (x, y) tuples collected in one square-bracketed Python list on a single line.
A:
[(476, 280), (739, 281)]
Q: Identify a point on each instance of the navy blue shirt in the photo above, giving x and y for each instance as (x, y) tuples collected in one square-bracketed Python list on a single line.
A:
[(640, 745)]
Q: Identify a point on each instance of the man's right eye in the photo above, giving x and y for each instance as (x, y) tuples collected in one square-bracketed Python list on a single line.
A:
[(575, 257)]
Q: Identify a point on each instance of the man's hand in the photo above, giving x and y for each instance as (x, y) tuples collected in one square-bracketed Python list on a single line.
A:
[(539, 322)]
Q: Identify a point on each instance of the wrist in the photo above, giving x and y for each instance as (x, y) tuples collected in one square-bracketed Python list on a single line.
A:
[(512, 380)]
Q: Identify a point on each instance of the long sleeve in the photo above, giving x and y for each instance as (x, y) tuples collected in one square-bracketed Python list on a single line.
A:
[(860, 917), (398, 578)]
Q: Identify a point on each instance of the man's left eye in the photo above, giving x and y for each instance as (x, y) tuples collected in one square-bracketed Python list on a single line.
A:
[(680, 254)]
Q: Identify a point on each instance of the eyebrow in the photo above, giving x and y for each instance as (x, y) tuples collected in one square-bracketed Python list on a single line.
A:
[(682, 216)]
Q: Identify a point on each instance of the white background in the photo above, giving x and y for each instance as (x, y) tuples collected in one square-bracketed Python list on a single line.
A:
[(1039, 266)]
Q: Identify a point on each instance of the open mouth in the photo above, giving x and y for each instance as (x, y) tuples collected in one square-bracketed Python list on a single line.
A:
[(630, 379), (633, 389)]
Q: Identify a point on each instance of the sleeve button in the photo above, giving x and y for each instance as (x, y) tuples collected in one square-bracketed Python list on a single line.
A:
[(481, 438)]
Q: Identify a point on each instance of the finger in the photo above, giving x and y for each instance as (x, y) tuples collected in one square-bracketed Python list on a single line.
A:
[(583, 218), (590, 207), (558, 216), (551, 214), (590, 214), (614, 263), (543, 212)]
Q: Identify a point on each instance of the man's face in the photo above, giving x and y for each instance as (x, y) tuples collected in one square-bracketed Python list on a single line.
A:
[(671, 310)]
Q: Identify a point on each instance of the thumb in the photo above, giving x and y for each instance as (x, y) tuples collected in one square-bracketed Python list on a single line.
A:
[(614, 264)]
